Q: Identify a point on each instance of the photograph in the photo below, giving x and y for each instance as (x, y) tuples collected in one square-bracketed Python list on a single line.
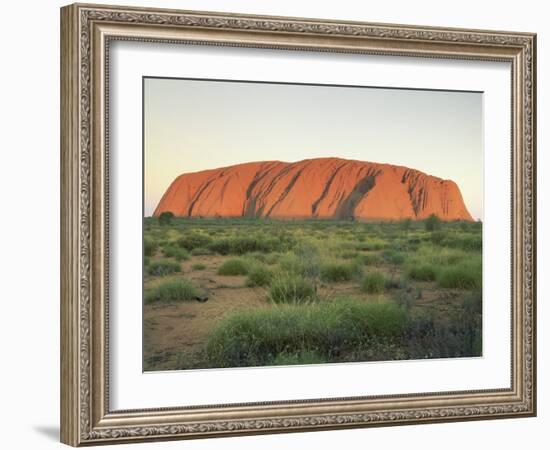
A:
[(295, 224)]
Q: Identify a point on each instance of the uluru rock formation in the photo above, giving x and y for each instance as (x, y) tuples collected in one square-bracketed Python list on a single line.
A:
[(324, 188)]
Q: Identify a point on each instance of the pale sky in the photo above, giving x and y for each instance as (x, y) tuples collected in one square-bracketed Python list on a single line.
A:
[(192, 125)]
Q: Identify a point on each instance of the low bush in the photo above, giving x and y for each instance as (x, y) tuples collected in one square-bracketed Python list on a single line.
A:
[(304, 265), (171, 291), (466, 275), (239, 245), (259, 276), (374, 244), (286, 334), (370, 259), (290, 288), (336, 271), (348, 254), (258, 256), (422, 272), (163, 267), (272, 258), (233, 266), (198, 266), (166, 218), (405, 224), (373, 283), (194, 240), (394, 257), (149, 247), (438, 236), (179, 254), (464, 242), (432, 223), (437, 256)]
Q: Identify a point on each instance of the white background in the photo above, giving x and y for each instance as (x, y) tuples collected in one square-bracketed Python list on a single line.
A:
[(29, 236), (132, 389)]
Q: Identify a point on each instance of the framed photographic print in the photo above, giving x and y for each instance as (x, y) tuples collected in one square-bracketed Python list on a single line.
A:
[(274, 224)]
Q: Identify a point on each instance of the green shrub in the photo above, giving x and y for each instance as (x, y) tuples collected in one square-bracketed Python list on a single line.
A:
[(163, 267), (259, 276), (370, 259), (466, 242), (261, 257), (337, 271), (422, 272), (349, 254), (289, 288), (373, 283), (405, 224), (466, 275), (286, 334), (166, 218), (198, 266), (179, 254), (394, 257), (194, 240), (432, 223), (239, 245), (272, 258), (233, 267), (172, 290), (374, 244), (149, 247), (438, 236), (304, 265), (436, 256)]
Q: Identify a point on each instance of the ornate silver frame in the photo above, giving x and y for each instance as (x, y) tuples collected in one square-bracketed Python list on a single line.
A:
[(86, 31)]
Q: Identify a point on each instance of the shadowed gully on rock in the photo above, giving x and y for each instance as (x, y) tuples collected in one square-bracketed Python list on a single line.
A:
[(324, 188)]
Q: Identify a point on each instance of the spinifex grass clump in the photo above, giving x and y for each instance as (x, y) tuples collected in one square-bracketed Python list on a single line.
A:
[(423, 272), (259, 275), (336, 271), (179, 254), (194, 240), (174, 290), (163, 267), (327, 330), (464, 242), (149, 247), (370, 259), (373, 283), (290, 288), (466, 275), (235, 266), (239, 245), (394, 257)]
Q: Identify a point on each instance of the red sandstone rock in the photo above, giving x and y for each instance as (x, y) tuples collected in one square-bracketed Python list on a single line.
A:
[(325, 188)]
